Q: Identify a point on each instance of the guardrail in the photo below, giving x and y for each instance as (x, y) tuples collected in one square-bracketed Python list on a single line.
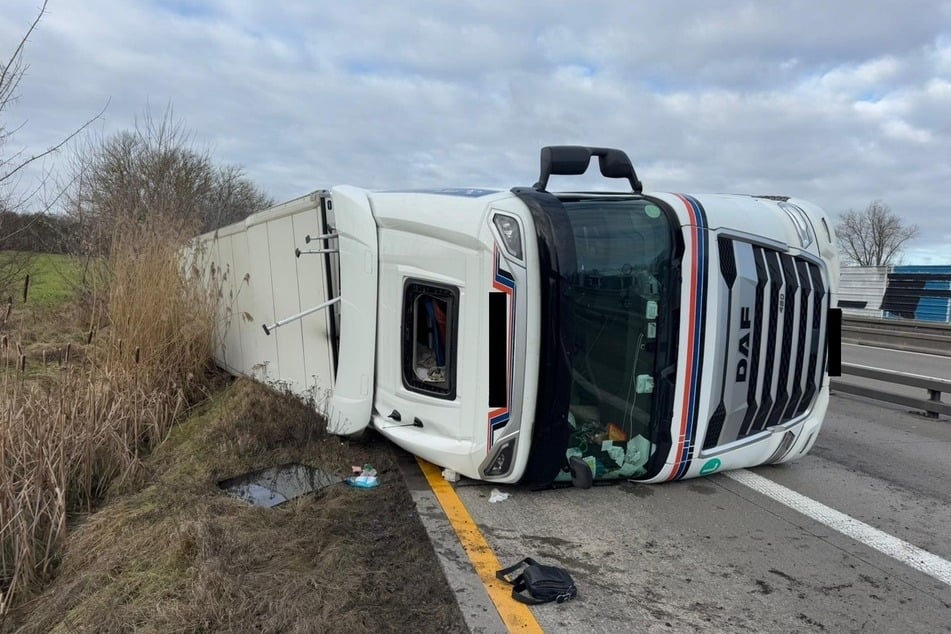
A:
[(898, 334), (934, 387)]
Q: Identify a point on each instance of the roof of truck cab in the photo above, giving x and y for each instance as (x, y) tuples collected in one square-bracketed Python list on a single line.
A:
[(467, 192), (452, 214)]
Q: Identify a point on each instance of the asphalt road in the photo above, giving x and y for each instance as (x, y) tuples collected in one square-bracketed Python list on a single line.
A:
[(714, 555), (857, 539)]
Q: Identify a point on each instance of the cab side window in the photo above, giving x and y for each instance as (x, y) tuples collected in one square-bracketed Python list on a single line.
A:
[(430, 332)]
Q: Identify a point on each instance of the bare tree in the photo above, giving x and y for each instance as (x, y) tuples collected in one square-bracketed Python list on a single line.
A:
[(153, 174), (873, 237), (14, 227), (233, 197), (11, 74), (13, 263)]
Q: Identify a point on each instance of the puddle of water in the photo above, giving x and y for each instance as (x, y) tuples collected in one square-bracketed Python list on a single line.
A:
[(274, 486)]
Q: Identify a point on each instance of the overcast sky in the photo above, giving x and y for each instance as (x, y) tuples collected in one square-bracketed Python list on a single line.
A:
[(839, 102)]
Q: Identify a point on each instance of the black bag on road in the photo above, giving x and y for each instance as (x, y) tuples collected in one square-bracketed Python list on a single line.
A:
[(538, 583)]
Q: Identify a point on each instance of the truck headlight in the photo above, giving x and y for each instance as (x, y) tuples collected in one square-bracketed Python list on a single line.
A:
[(510, 233), (501, 462)]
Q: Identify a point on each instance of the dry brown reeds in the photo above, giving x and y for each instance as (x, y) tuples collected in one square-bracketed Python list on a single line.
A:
[(65, 439)]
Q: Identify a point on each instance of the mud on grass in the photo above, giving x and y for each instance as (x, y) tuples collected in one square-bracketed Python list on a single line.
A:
[(175, 553)]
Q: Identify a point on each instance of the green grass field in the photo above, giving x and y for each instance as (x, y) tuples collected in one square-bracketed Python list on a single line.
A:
[(53, 279)]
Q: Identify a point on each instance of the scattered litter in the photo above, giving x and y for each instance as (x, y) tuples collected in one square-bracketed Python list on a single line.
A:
[(363, 477), (608, 450), (497, 496), (275, 486), (450, 475)]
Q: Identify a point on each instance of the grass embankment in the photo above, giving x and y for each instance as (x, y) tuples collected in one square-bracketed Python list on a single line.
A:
[(180, 555), (99, 533), (76, 414)]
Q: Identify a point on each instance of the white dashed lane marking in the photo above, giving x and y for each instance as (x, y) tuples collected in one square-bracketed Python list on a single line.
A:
[(909, 554)]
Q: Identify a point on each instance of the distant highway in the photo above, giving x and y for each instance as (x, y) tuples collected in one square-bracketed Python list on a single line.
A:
[(929, 365), (915, 363)]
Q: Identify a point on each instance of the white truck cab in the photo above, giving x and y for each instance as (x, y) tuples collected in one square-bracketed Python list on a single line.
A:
[(532, 336)]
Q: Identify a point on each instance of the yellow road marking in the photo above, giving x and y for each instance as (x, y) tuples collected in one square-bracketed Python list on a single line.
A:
[(516, 616)]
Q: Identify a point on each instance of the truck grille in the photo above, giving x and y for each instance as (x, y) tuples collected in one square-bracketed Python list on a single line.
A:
[(775, 320)]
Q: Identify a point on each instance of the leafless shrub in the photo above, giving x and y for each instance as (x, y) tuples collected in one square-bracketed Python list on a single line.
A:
[(152, 175)]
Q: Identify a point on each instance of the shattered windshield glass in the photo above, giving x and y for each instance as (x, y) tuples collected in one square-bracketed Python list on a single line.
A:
[(620, 298)]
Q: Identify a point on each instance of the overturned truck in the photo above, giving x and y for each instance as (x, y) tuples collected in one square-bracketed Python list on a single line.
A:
[(533, 336)]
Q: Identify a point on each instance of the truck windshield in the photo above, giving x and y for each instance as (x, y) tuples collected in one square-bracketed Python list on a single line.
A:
[(620, 300)]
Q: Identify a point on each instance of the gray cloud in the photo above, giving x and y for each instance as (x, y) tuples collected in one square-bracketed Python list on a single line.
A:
[(841, 104)]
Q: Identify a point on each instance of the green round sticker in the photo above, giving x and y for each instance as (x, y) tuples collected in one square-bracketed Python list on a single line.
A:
[(710, 467), (652, 211)]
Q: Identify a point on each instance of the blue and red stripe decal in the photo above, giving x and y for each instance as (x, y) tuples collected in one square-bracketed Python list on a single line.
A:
[(692, 359), (504, 282)]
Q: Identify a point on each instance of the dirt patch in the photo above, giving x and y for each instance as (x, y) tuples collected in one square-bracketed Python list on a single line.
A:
[(173, 552)]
